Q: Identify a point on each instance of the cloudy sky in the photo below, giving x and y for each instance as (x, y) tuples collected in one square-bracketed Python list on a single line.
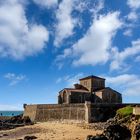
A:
[(46, 45)]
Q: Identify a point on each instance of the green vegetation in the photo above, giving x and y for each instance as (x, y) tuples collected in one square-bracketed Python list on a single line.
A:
[(126, 111)]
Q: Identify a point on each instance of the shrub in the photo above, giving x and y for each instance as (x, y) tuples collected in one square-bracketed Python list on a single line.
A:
[(126, 111)]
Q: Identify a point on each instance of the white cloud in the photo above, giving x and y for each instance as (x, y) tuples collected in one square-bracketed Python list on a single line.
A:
[(14, 79), (46, 3), (59, 61), (66, 53), (94, 47), (120, 57), (133, 16), (90, 5), (128, 32), (66, 22), (128, 84), (69, 80), (19, 38), (134, 3)]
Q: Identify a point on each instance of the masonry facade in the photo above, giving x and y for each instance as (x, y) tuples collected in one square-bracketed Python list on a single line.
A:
[(91, 88), (89, 101)]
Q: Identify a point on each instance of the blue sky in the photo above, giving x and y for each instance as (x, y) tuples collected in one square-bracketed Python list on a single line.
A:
[(46, 45)]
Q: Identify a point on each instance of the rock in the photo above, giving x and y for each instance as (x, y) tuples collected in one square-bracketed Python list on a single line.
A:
[(98, 137), (137, 131), (117, 132), (15, 121), (30, 137), (89, 137), (5, 135), (27, 120)]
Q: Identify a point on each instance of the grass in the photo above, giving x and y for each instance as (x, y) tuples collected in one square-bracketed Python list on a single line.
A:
[(126, 111)]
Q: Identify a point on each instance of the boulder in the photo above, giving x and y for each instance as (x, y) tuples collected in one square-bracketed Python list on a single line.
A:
[(30, 137), (117, 132), (15, 121), (98, 137)]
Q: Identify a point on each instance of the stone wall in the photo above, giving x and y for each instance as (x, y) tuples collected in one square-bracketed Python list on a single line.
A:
[(102, 111), (30, 110), (111, 96), (136, 110), (55, 112), (85, 112), (87, 83), (93, 84)]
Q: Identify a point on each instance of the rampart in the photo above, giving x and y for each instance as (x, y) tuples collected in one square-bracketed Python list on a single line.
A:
[(84, 112), (55, 112)]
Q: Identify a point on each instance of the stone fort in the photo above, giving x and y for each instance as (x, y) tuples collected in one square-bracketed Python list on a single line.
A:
[(89, 101)]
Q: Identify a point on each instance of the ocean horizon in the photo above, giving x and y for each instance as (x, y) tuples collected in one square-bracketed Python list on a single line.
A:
[(10, 113)]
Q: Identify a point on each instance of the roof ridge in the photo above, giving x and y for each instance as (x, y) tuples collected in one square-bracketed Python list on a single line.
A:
[(92, 76)]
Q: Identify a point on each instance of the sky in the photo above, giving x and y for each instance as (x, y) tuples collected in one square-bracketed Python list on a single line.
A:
[(47, 45)]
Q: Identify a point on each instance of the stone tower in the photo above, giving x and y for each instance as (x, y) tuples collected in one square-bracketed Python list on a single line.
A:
[(92, 83)]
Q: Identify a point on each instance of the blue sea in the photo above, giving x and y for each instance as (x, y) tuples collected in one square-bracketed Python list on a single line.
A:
[(10, 113)]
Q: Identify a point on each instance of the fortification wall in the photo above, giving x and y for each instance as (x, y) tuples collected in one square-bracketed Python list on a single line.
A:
[(30, 110), (103, 112), (55, 112), (85, 112)]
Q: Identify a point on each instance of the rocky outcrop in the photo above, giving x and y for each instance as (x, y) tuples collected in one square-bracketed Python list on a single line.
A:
[(117, 132), (98, 137), (119, 128), (137, 131), (30, 137), (13, 122), (113, 132)]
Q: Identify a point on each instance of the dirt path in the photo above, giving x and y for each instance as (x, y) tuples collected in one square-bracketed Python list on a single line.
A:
[(49, 131)]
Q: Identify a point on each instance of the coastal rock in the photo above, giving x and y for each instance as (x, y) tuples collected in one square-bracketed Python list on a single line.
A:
[(117, 132), (98, 137), (114, 132), (15, 121), (137, 131), (30, 137)]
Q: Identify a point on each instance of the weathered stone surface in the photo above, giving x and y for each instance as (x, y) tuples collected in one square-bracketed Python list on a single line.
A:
[(74, 112), (137, 131), (30, 137), (98, 137), (13, 122), (91, 89), (117, 132), (55, 112), (136, 111)]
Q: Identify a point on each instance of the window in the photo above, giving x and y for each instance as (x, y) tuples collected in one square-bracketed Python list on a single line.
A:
[(85, 83)]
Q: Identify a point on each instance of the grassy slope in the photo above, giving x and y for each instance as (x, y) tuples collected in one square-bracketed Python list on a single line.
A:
[(126, 111)]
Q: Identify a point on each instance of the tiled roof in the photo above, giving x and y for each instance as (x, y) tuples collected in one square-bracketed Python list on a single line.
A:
[(92, 76), (108, 89), (75, 90)]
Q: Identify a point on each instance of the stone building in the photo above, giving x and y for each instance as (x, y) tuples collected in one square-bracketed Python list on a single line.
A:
[(91, 88), (89, 101)]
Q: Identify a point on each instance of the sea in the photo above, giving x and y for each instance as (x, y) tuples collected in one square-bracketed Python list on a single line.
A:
[(10, 113)]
